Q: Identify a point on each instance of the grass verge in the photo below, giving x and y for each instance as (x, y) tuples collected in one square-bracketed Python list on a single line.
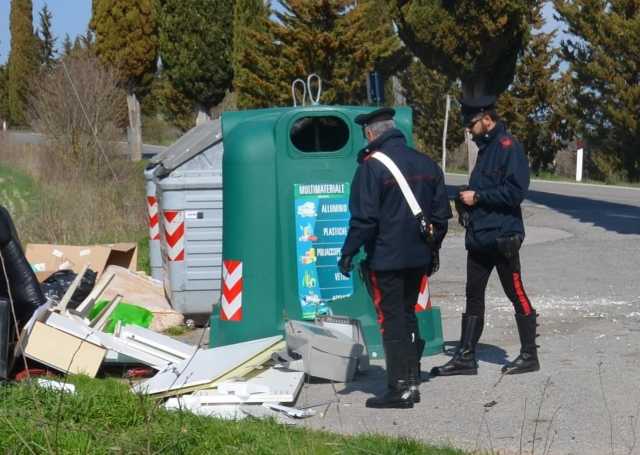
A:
[(103, 417), (55, 206)]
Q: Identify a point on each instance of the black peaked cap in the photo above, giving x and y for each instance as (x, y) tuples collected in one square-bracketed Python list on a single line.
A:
[(472, 106), (379, 115)]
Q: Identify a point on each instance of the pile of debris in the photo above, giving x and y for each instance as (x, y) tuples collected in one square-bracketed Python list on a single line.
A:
[(68, 320), (252, 378)]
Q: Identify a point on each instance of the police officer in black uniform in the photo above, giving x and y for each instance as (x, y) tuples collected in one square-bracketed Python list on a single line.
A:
[(489, 208), (398, 255)]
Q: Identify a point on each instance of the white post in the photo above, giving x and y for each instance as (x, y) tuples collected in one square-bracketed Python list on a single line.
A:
[(579, 157), (444, 134), (4, 125)]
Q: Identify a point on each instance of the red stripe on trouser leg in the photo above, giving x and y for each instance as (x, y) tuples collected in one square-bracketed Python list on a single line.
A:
[(522, 297), (377, 297)]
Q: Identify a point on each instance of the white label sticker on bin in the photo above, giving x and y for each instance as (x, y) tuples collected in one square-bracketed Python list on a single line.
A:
[(39, 267), (85, 252), (57, 253), (192, 214)]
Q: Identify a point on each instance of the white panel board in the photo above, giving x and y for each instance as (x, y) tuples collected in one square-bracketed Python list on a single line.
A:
[(204, 367), (281, 386)]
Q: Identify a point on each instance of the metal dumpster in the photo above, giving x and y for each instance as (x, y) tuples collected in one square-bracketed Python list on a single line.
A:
[(188, 184)]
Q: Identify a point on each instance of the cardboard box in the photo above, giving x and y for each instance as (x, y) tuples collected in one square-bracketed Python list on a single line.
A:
[(62, 351), (46, 259)]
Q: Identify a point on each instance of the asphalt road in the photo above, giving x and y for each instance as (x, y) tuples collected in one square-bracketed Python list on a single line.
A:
[(24, 137), (580, 268)]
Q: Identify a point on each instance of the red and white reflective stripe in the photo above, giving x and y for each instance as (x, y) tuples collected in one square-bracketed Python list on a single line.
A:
[(231, 304), (154, 224), (173, 222), (424, 297)]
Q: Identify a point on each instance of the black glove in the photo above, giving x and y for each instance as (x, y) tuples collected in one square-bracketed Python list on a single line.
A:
[(461, 209), (434, 266), (345, 266)]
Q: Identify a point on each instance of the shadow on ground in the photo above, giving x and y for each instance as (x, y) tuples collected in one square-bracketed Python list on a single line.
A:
[(374, 380)]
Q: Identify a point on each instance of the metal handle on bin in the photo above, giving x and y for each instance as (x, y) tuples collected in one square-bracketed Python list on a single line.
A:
[(304, 92), (315, 100)]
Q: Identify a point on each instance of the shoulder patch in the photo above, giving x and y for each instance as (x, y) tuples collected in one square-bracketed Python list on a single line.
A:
[(506, 142)]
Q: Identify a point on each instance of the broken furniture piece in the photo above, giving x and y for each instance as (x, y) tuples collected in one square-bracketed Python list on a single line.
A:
[(321, 352)]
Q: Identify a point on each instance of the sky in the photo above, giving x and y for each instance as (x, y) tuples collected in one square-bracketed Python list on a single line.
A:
[(72, 17)]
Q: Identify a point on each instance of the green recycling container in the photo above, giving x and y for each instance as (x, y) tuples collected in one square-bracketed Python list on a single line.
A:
[(286, 181)]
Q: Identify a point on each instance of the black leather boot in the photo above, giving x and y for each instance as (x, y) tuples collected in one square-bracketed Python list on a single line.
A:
[(398, 394), (527, 361), (464, 361), (415, 375)]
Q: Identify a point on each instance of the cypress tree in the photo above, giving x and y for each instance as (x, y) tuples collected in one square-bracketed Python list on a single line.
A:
[(126, 39), (476, 42), (196, 49), (532, 104), (425, 91), (250, 18), (604, 65), (335, 39), (4, 105), (23, 59), (46, 40)]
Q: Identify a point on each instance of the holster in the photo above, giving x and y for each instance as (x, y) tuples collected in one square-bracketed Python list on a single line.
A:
[(509, 246), (425, 232)]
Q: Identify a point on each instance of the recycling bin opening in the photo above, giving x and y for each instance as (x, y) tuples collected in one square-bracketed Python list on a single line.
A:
[(319, 134)]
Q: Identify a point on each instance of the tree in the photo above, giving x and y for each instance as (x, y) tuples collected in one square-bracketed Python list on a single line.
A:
[(533, 104), (4, 105), (196, 46), (164, 100), (126, 39), (250, 18), (336, 39), (476, 42), (23, 59), (605, 67), (67, 45), (46, 40), (425, 91), (79, 107)]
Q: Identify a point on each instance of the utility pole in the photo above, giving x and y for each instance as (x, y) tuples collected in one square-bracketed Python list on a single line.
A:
[(444, 134)]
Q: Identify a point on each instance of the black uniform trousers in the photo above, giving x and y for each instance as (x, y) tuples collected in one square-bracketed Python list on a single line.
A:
[(479, 267), (395, 294)]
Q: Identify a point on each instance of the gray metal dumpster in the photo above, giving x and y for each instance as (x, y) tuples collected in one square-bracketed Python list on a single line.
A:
[(189, 194), (194, 138)]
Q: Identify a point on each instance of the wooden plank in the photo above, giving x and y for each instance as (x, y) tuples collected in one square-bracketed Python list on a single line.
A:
[(87, 304), (160, 345), (62, 305)]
